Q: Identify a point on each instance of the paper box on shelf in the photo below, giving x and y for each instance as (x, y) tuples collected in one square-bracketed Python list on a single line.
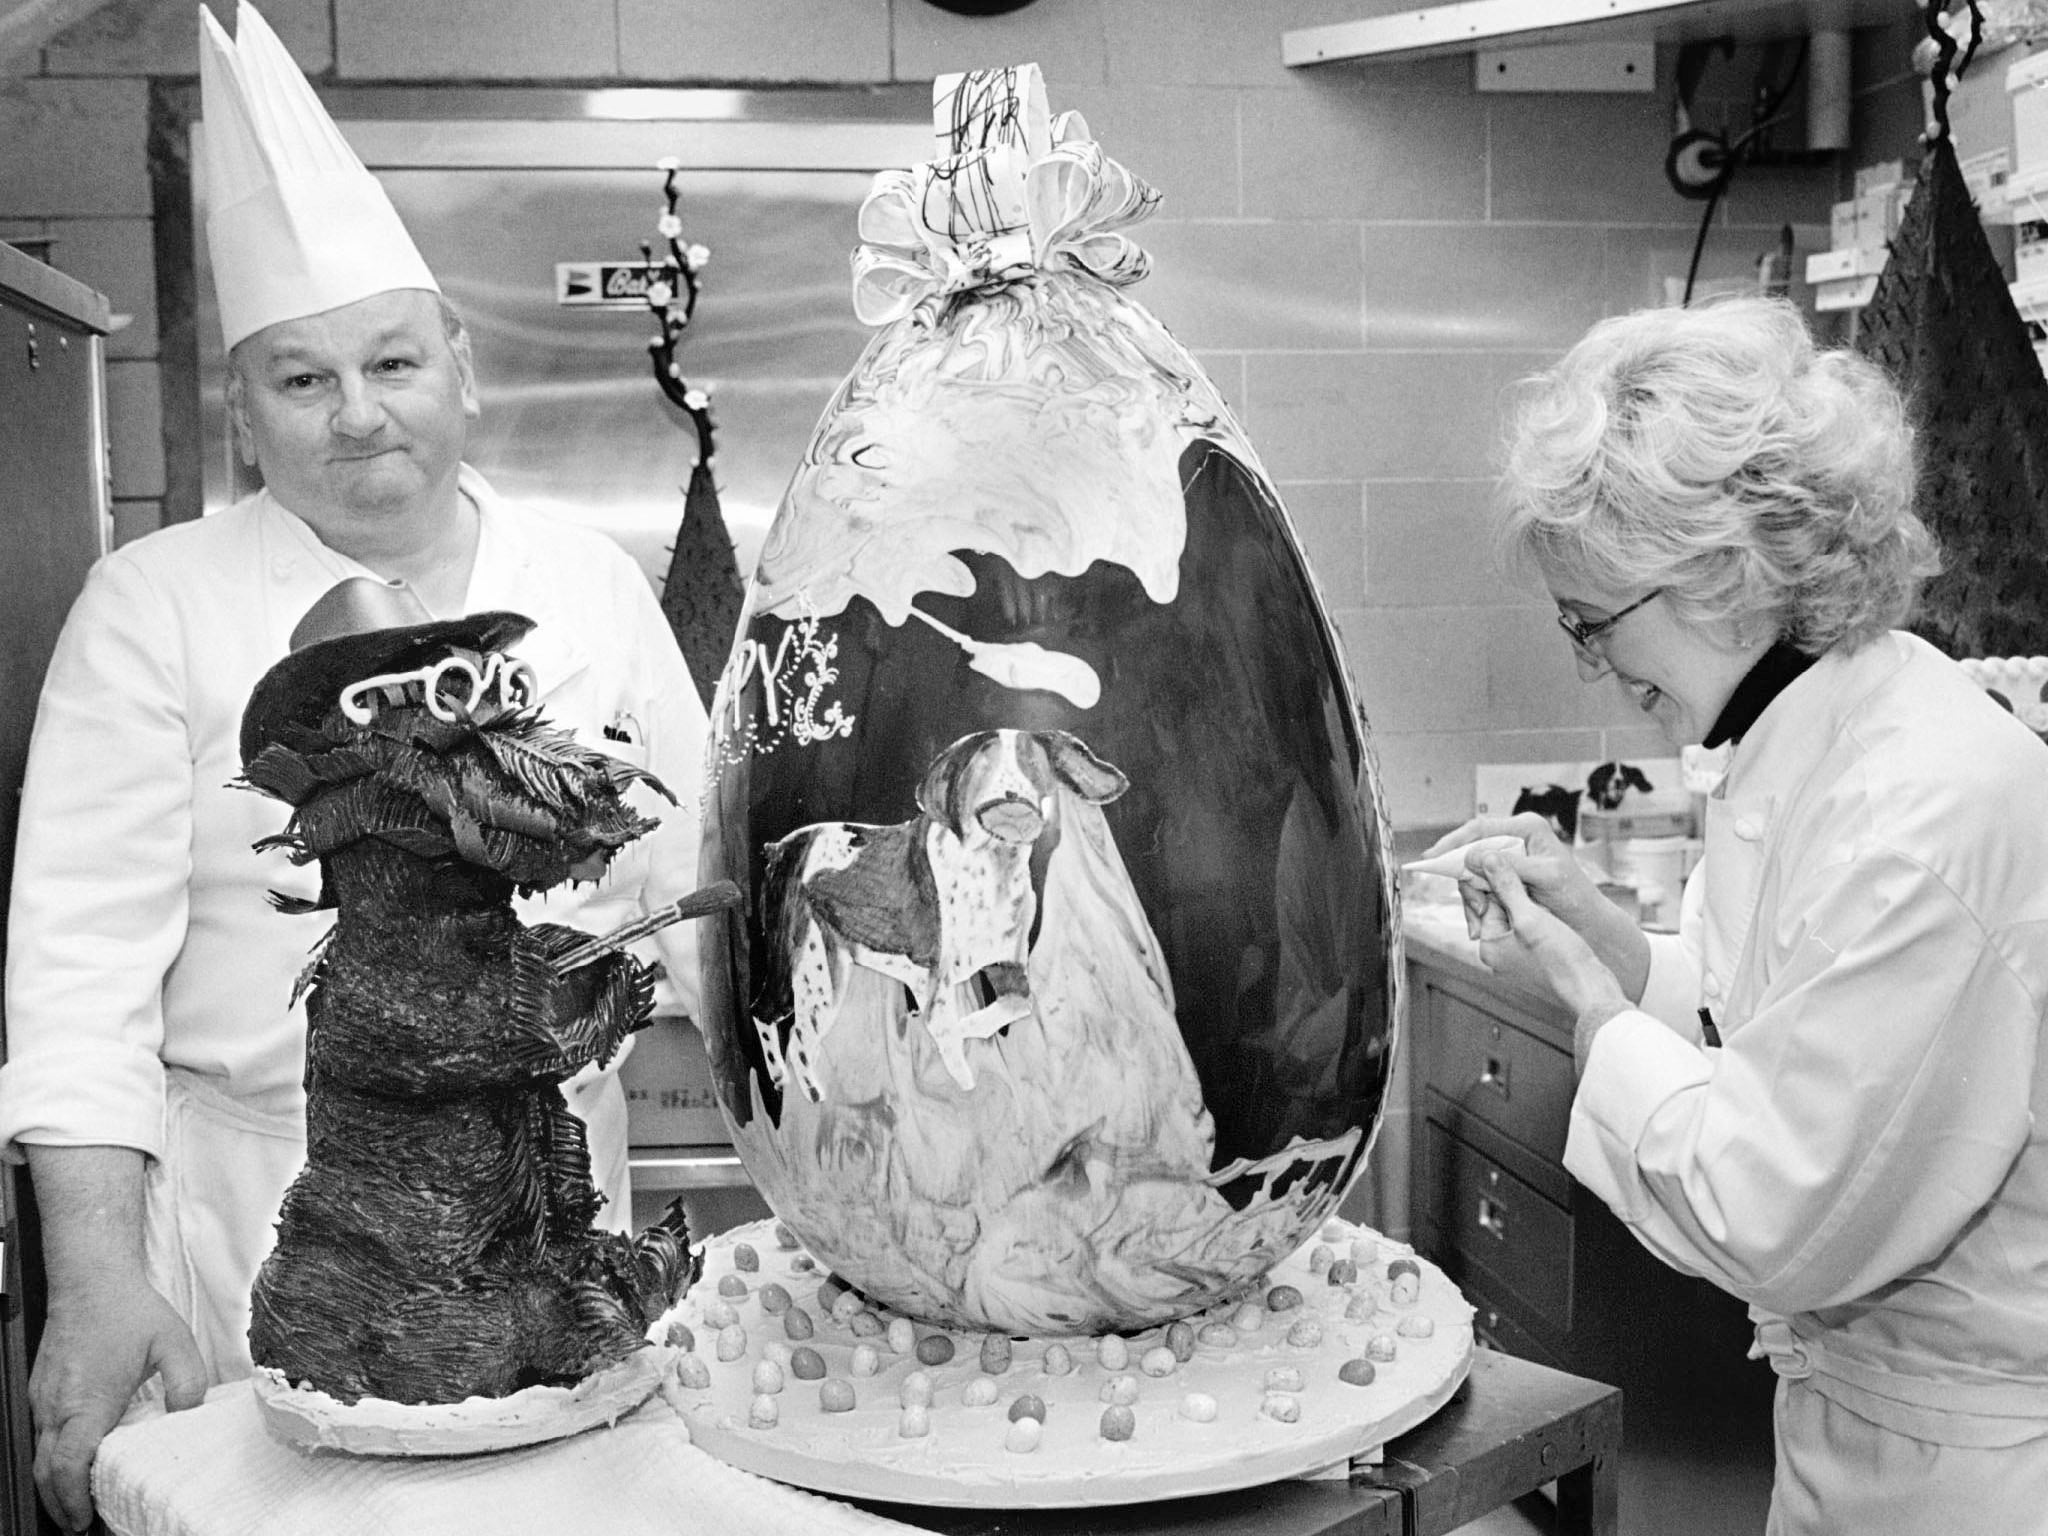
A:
[(1985, 176), (2026, 84), (1657, 816), (1842, 224), (669, 1098), (1834, 266), (1850, 293), (2030, 264)]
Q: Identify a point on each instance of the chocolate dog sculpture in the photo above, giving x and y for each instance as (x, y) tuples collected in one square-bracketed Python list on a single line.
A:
[(438, 1244)]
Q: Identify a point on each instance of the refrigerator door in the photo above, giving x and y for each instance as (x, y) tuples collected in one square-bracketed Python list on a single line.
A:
[(572, 420), (54, 522)]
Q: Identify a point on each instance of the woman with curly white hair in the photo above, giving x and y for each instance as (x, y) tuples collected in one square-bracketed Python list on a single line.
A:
[(1828, 1093)]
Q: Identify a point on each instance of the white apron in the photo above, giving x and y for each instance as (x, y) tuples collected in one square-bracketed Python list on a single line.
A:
[(210, 1211), (1838, 1474)]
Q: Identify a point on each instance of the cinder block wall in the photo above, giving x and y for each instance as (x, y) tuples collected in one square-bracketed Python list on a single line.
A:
[(1365, 257)]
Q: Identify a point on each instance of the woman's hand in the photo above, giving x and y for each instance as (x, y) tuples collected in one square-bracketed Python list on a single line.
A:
[(1552, 878), (1539, 945)]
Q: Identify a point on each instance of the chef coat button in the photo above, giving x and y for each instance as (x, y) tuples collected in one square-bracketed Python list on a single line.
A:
[(1713, 985), (1748, 830), (281, 567)]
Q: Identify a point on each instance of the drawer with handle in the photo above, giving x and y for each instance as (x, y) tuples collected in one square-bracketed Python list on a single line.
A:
[(1494, 1326), (1502, 1226), (1518, 1084)]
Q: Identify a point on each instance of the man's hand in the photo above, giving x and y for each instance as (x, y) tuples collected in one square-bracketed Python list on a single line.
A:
[(97, 1348), (1540, 945), (108, 1331)]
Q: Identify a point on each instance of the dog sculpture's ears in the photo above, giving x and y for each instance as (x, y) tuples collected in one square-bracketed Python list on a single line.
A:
[(939, 789), (1086, 774)]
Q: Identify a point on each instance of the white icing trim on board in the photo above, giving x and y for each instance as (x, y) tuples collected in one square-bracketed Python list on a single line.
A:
[(375, 1426), (963, 1461)]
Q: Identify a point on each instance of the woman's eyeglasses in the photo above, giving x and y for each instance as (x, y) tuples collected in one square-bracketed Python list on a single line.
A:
[(1584, 634)]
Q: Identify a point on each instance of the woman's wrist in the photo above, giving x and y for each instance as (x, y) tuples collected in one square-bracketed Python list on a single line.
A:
[(1593, 1015), (1621, 946)]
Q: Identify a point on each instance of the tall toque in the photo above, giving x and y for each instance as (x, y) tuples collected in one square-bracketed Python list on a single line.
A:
[(295, 224)]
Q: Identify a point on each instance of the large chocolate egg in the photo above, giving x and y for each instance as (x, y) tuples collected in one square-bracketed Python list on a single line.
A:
[(1064, 997)]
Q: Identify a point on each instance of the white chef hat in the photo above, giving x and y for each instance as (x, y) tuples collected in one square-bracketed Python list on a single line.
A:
[(295, 224)]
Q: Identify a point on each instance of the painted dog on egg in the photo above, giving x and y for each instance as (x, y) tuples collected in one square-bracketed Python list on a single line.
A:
[(946, 900)]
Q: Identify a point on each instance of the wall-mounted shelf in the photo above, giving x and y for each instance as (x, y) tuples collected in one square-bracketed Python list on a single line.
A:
[(1469, 25)]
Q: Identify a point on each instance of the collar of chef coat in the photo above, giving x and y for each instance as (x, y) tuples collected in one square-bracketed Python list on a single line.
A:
[(1766, 779), (1796, 729), (510, 574)]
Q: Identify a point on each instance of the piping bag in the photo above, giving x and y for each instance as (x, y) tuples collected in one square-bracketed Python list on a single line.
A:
[(1492, 916)]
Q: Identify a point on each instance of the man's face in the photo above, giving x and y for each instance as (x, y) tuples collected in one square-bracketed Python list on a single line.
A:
[(359, 413)]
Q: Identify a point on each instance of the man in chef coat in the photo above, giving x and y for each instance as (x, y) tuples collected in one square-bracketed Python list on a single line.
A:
[(155, 1084)]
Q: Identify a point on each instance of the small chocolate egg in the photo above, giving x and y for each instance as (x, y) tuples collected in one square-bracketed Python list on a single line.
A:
[(995, 1353), (806, 1364), (979, 1392)]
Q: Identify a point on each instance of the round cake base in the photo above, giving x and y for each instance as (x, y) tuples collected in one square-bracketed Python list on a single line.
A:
[(375, 1426), (1271, 1386)]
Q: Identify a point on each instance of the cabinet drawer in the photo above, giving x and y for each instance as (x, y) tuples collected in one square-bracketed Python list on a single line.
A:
[(1519, 1085), (1495, 1327), (1501, 1225)]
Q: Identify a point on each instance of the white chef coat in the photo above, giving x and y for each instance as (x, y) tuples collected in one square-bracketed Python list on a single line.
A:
[(1864, 1159), (148, 978)]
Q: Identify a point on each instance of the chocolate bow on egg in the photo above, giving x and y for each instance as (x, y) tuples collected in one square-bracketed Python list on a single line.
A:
[(1016, 190)]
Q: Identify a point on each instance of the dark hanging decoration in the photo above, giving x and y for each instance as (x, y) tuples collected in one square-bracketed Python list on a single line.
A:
[(1943, 321), (703, 592)]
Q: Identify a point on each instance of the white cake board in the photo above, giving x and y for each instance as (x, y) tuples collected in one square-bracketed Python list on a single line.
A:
[(963, 1461), (375, 1426)]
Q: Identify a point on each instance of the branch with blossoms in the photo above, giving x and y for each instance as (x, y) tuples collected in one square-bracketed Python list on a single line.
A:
[(702, 594), (672, 290)]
